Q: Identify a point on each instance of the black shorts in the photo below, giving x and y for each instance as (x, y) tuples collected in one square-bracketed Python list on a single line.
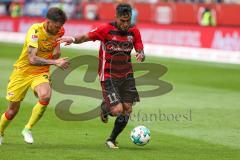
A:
[(122, 90)]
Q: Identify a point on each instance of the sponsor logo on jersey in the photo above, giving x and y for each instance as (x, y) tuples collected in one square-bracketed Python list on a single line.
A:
[(34, 38), (130, 38)]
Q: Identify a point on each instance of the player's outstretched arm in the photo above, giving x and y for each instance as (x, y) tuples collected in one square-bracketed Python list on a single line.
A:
[(38, 61), (140, 56), (76, 40)]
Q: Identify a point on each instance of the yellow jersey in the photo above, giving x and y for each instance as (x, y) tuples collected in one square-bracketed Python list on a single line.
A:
[(37, 37)]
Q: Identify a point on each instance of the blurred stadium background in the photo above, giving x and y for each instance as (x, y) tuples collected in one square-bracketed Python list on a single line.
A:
[(197, 40), (170, 28)]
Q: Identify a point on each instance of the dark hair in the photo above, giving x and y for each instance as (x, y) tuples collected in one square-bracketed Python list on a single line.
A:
[(123, 9), (57, 15)]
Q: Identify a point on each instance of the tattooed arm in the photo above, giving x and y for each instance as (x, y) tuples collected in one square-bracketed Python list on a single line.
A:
[(57, 52), (38, 61)]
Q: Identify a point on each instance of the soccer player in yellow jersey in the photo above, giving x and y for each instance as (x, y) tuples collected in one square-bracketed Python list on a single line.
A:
[(40, 50)]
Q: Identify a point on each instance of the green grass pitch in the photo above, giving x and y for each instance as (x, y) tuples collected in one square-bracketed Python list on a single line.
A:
[(205, 95)]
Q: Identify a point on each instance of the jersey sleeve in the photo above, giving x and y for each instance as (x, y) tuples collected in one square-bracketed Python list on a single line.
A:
[(32, 36), (61, 32), (59, 35), (138, 45), (97, 33)]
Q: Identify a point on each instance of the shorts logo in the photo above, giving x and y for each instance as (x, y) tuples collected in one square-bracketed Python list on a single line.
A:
[(10, 94), (45, 76)]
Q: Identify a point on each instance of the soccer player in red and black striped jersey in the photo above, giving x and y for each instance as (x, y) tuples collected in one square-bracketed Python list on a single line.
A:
[(115, 68)]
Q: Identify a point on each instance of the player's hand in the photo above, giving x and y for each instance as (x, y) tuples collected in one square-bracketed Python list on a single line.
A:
[(140, 57), (62, 63), (66, 40)]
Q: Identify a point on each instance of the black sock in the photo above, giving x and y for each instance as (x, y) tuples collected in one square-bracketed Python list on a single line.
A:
[(120, 123)]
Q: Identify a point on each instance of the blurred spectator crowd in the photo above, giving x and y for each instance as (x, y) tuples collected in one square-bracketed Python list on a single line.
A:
[(73, 8)]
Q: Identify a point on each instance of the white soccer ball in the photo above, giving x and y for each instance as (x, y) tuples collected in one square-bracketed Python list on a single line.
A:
[(140, 135)]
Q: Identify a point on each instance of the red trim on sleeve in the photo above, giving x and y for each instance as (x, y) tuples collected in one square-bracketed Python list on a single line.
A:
[(61, 32)]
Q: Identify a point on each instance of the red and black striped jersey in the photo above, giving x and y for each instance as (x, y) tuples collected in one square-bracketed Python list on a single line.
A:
[(115, 49)]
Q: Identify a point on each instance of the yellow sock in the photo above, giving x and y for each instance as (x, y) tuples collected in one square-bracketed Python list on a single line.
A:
[(4, 122), (37, 113)]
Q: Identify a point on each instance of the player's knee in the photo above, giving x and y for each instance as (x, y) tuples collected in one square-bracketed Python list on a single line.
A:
[(128, 111), (44, 97), (11, 113), (115, 111)]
